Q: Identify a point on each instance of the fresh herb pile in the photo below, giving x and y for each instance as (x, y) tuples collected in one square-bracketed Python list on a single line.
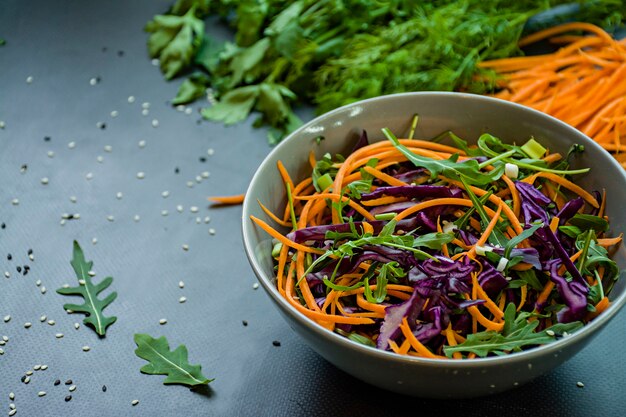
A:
[(333, 52), (445, 251)]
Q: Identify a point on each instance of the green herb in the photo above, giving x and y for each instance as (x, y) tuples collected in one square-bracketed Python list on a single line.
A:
[(588, 222), (191, 89), (2, 42), (93, 306), (356, 337), (518, 332), (511, 244), (174, 363)]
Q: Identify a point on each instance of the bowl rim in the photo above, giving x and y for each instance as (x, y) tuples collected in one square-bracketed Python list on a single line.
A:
[(587, 331)]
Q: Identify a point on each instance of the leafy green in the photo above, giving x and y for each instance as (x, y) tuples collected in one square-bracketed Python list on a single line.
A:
[(93, 306), (2, 42), (588, 222), (162, 361), (511, 244), (192, 88), (518, 332)]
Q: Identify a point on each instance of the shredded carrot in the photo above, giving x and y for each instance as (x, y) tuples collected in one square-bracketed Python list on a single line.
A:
[(416, 344), (227, 200)]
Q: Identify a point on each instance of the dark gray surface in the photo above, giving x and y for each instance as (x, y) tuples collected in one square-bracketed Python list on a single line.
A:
[(60, 44)]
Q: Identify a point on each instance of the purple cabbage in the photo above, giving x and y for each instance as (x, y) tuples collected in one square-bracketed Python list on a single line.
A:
[(409, 176), (362, 142), (569, 210), (413, 191), (444, 274), (573, 293), (390, 328), (532, 201), (315, 233), (433, 326), (491, 279), (529, 255)]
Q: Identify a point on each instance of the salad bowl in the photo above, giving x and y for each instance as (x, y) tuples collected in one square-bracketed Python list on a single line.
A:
[(468, 116)]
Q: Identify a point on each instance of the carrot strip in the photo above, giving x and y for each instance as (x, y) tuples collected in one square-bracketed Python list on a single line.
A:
[(277, 235), (227, 200), (416, 344)]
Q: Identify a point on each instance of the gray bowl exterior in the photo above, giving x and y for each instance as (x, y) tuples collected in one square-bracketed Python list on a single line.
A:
[(468, 116)]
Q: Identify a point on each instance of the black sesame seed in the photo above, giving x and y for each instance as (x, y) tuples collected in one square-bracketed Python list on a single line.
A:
[(202, 159), (176, 171), (120, 53), (68, 398), (244, 322), (104, 49), (23, 378), (70, 216), (24, 167), (30, 251), (104, 388), (103, 126), (276, 343), (46, 138), (3, 226), (68, 382), (57, 382), (9, 256), (199, 121), (19, 268)]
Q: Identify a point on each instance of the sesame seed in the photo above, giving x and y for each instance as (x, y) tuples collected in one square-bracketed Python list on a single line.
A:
[(12, 412), (26, 380), (210, 151), (62, 222), (68, 398), (69, 382), (73, 199), (206, 174), (100, 159), (193, 209), (119, 195), (15, 201), (23, 169), (164, 212), (51, 322), (65, 216), (179, 208), (2, 343), (29, 79), (136, 218), (81, 282), (141, 175), (58, 335), (36, 367), (89, 175), (101, 125), (190, 184), (198, 179), (145, 112), (134, 402), (12, 406), (43, 290), (180, 107), (27, 325), (72, 388), (181, 284), (145, 105), (93, 81), (86, 348), (7, 274), (44, 367), (198, 220), (211, 231), (7, 319), (57, 382), (182, 299), (2, 124), (188, 110), (11, 396), (31, 257), (43, 318), (114, 113), (91, 273), (142, 143), (68, 311), (110, 218), (50, 154), (185, 247), (155, 123), (45, 180), (276, 343), (163, 321), (71, 145), (131, 99), (255, 286), (550, 332), (76, 216), (5, 338), (94, 241), (580, 384), (165, 194), (108, 148), (1, 351), (76, 326)]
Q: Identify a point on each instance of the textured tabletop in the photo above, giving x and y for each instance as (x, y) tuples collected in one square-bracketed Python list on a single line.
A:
[(75, 143)]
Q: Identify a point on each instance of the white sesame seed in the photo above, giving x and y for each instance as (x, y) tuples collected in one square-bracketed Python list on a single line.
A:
[(29, 79), (73, 199), (131, 99), (142, 144), (185, 247), (145, 105), (255, 286), (12, 412), (188, 110), (94, 241), (108, 148), (100, 159), (52, 322), (198, 179), (27, 325), (190, 184), (182, 299), (41, 393), (72, 388), (86, 348), (181, 284), (62, 222), (11, 396), (211, 231), (44, 367), (141, 175), (68, 311), (206, 174), (29, 372), (100, 125), (58, 335), (43, 290), (76, 216), (180, 107), (136, 218), (110, 218), (2, 124), (43, 318), (145, 112), (210, 151), (165, 194), (93, 81), (91, 273), (580, 384), (7, 274), (5, 338), (15, 201), (7, 318), (193, 209), (71, 145), (1, 351), (162, 321), (89, 175), (119, 195), (65, 216), (31, 257), (114, 113), (45, 180), (198, 220), (155, 62), (164, 212), (550, 332), (179, 208), (50, 154), (155, 123), (36, 367), (76, 326), (134, 402), (2, 343), (81, 282)]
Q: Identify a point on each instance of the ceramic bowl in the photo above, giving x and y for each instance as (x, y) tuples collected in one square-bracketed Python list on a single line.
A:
[(468, 116)]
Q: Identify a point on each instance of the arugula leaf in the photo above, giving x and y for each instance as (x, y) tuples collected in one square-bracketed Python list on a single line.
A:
[(93, 306), (175, 40), (588, 222), (191, 89), (174, 363), (354, 336), (511, 244), (467, 170)]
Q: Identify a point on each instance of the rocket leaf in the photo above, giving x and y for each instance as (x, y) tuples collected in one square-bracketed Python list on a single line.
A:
[(174, 364), (93, 306)]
